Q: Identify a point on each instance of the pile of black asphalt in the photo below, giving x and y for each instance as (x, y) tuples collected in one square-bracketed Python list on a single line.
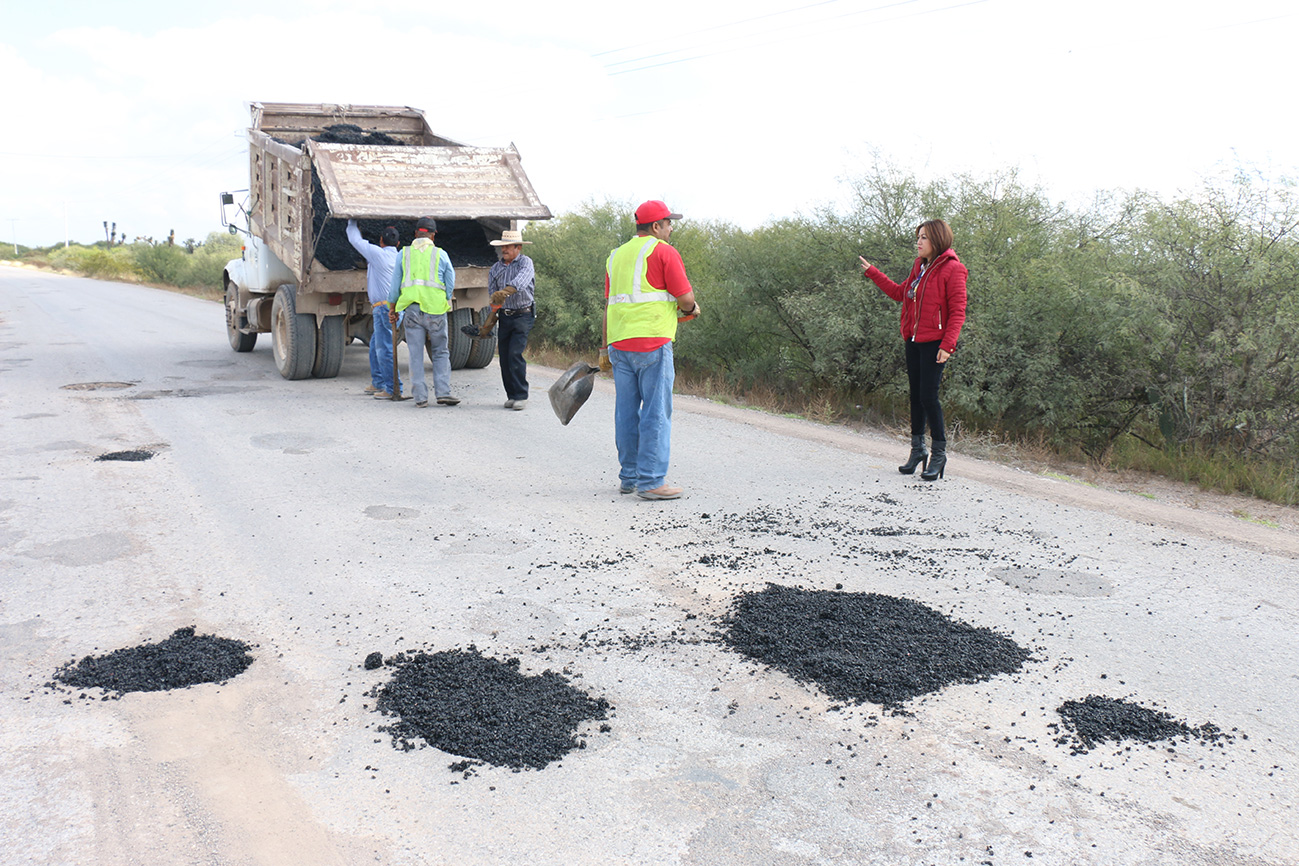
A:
[(483, 709), (127, 456), (184, 659), (864, 647), (1096, 720)]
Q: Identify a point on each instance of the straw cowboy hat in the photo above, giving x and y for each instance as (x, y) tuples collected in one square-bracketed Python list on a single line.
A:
[(508, 238)]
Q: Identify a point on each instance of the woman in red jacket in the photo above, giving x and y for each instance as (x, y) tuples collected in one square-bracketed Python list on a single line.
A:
[(933, 310)]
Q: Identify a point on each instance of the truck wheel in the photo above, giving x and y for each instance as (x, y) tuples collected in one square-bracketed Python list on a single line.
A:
[(293, 336), (482, 351), (239, 341), (458, 343), (329, 348)]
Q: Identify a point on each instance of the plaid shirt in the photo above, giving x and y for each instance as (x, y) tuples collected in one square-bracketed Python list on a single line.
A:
[(518, 273)]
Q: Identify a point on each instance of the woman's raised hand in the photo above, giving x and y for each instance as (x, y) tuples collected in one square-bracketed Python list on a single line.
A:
[(865, 264)]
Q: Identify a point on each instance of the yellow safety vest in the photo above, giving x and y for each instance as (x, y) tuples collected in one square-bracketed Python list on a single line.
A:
[(635, 307), (420, 281)]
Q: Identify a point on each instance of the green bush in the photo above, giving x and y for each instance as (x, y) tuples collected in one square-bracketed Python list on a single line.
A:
[(96, 262)]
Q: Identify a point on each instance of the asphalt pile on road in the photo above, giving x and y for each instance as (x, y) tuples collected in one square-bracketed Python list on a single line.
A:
[(483, 709), (127, 456), (864, 647), (183, 659), (1095, 720)]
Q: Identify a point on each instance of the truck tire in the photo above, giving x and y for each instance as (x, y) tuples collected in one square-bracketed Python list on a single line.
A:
[(482, 351), (239, 341), (329, 348), (458, 343), (293, 336)]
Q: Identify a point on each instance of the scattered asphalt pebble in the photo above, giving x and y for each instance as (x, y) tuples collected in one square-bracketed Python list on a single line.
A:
[(483, 709), (859, 647), (1096, 719), (127, 456), (182, 660), (374, 660)]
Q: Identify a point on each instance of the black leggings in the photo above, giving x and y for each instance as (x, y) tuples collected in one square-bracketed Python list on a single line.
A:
[(925, 374)]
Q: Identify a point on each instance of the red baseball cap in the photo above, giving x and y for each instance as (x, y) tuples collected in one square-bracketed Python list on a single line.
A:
[(653, 211)]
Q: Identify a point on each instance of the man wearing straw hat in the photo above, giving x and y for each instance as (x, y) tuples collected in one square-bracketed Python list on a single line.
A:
[(512, 283)]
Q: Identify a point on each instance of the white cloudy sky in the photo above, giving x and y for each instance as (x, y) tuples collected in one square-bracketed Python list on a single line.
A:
[(135, 112)]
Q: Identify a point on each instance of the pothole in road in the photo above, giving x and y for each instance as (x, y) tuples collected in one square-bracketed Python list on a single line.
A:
[(484, 710), (184, 659), (97, 386), (1047, 581), (865, 647), (1096, 720), (127, 456), (390, 512)]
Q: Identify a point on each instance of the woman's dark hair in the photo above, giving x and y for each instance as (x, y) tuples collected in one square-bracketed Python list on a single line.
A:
[(939, 234)]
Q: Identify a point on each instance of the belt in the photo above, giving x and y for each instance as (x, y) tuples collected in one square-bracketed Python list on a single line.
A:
[(380, 304), (518, 312)]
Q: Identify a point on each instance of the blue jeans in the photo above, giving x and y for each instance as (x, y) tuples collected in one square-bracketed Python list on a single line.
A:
[(512, 339), (422, 328), (642, 415), (381, 351)]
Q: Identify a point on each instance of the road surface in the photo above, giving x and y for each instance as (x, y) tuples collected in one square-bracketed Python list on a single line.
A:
[(319, 525)]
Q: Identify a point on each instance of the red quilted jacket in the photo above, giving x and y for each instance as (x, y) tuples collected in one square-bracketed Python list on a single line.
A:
[(938, 311)]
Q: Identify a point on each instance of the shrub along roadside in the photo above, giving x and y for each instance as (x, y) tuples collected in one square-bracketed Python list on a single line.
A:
[(190, 266)]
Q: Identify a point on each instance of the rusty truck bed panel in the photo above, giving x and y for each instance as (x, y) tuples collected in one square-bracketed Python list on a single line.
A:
[(410, 182), (427, 175)]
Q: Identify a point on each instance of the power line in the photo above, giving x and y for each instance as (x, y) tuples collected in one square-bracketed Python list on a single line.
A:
[(718, 27), (785, 35)]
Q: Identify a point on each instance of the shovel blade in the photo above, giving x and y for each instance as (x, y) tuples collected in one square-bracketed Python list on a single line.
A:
[(571, 390)]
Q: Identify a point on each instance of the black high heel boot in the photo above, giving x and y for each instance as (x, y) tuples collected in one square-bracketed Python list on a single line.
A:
[(919, 456), (937, 461)]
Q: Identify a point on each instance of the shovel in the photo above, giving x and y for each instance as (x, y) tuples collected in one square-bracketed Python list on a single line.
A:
[(396, 388), (571, 390)]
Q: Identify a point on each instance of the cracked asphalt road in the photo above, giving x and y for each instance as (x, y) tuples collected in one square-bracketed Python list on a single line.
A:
[(318, 526)]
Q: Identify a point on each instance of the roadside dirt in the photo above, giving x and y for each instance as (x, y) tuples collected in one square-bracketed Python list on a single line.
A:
[(1134, 496)]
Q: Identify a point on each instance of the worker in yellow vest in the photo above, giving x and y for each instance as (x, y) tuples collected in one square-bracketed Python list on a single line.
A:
[(646, 290), (420, 290)]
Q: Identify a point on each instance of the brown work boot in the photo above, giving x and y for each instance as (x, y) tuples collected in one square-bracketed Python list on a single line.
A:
[(663, 492)]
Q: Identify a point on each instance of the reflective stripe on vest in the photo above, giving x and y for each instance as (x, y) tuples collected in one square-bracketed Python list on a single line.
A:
[(421, 281), (635, 307)]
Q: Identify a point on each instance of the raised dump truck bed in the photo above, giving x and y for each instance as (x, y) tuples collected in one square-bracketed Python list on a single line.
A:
[(313, 167)]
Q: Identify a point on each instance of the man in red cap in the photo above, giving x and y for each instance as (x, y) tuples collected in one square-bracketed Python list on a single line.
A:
[(646, 290)]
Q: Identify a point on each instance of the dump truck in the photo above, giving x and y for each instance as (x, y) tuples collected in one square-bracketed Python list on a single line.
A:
[(314, 166)]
